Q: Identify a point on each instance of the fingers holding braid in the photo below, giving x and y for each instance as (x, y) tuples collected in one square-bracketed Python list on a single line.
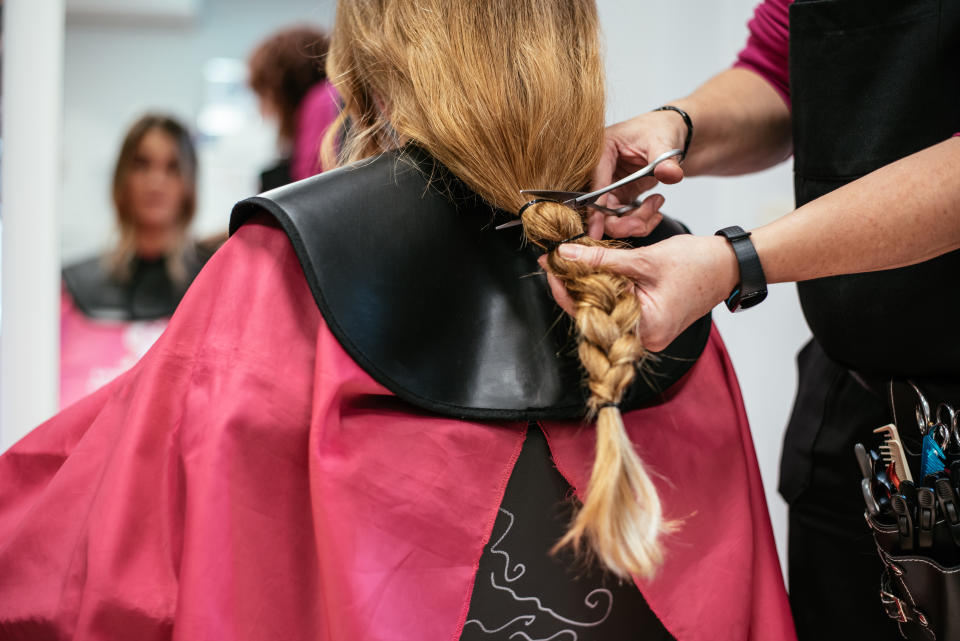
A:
[(620, 520), (607, 313), (609, 345)]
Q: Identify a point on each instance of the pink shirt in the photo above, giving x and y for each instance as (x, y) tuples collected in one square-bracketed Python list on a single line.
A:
[(316, 113)]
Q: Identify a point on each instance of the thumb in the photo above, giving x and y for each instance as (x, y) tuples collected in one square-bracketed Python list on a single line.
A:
[(616, 260), (669, 171)]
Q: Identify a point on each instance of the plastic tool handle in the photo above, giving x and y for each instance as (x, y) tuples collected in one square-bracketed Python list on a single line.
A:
[(863, 460)]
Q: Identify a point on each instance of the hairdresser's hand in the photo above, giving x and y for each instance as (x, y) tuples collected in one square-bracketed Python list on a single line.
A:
[(628, 146), (637, 223), (677, 280)]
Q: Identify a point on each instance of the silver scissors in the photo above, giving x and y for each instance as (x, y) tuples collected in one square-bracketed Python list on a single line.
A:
[(588, 199), (922, 410), (951, 422)]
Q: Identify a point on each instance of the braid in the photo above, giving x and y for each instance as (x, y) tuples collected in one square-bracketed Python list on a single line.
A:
[(621, 517)]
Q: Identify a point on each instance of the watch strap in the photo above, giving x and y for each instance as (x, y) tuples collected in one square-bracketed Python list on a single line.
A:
[(752, 288)]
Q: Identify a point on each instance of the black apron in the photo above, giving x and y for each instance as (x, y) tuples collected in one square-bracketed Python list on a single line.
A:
[(871, 81), (456, 318)]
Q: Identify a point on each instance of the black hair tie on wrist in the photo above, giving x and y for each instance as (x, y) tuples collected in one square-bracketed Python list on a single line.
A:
[(687, 120)]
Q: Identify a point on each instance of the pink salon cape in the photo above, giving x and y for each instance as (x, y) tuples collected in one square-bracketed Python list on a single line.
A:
[(247, 480)]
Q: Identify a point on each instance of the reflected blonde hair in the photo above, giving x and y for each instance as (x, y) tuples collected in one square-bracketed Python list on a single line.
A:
[(508, 94)]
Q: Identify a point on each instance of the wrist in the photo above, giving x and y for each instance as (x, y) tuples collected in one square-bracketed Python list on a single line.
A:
[(726, 270), (751, 287), (678, 122)]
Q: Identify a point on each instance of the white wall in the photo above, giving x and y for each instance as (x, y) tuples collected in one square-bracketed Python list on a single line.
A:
[(29, 349), (656, 52)]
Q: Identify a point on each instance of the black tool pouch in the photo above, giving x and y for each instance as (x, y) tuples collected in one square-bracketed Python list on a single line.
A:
[(920, 590)]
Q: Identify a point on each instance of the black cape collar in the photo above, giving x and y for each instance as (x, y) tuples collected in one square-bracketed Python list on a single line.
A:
[(149, 294), (447, 313)]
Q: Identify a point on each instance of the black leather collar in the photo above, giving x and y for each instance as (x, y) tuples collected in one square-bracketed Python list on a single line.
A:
[(149, 294), (436, 305)]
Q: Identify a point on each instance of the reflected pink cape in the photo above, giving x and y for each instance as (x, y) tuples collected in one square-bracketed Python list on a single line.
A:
[(247, 480), (94, 351)]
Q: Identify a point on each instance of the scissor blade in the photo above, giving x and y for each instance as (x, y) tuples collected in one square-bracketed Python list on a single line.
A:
[(562, 197)]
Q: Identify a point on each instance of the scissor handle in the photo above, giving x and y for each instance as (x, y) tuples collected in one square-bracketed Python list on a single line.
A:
[(952, 424), (951, 414), (593, 195), (922, 410)]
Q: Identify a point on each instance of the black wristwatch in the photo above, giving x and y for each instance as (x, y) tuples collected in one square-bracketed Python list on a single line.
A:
[(753, 284)]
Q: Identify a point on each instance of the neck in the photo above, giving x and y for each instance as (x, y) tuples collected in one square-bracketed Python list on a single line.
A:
[(155, 242)]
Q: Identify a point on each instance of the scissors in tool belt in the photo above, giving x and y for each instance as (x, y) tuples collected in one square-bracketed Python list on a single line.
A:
[(949, 418), (588, 199)]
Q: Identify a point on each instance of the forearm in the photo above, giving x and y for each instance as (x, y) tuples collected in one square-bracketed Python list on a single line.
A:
[(901, 214), (741, 125)]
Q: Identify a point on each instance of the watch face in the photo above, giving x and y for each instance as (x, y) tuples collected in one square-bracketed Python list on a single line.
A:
[(738, 303), (750, 300)]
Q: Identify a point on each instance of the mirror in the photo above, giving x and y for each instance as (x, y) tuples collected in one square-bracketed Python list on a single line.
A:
[(187, 59)]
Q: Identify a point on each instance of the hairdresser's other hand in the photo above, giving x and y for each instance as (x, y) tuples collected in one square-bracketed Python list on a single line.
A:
[(677, 280), (631, 145)]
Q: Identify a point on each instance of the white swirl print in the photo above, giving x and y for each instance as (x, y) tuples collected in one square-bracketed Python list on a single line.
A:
[(526, 618), (552, 637), (520, 568), (593, 601)]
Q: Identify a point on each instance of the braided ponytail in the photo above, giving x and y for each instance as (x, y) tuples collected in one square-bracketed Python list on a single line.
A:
[(621, 518), (508, 94)]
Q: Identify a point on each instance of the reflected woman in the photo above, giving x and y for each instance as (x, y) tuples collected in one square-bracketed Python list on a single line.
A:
[(114, 305)]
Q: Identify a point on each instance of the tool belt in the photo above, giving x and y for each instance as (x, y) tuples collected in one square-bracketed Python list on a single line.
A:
[(914, 513)]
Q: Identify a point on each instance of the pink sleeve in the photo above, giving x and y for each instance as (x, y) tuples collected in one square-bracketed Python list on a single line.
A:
[(320, 107), (767, 45)]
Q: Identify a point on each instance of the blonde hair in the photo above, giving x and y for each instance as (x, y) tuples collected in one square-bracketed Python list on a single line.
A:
[(508, 94)]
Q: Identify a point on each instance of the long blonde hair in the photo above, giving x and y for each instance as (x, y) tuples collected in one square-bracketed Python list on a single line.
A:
[(508, 94)]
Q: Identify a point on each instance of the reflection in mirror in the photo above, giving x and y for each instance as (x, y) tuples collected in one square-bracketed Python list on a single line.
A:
[(162, 134), (294, 93), (115, 304)]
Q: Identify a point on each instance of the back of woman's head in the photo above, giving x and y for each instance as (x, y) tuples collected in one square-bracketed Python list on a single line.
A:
[(508, 95), (284, 67)]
